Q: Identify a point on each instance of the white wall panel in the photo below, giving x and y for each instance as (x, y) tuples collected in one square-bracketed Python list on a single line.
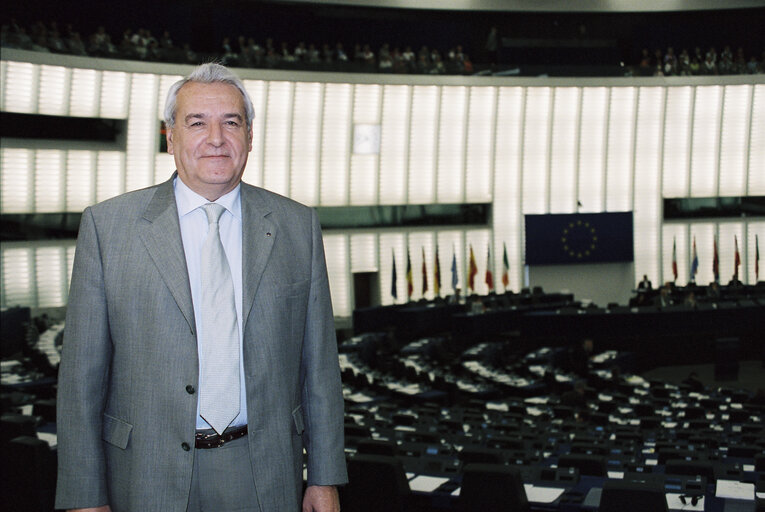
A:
[(85, 93), (620, 151), (142, 131), (734, 139), (338, 270), (364, 252), (677, 142), (18, 286), (110, 179), (394, 144), (563, 150), (305, 139), (276, 150), (451, 145), (80, 180), (17, 180), (49, 181), (21, 87), (479, 163), (508, 223), (114, 94), (253, 172), (50, 276), (647, 212), (756, 185), (54, 91), (422, 145), (592, 150), (705, 146), (335, 145), (364, 176), (536, 149)]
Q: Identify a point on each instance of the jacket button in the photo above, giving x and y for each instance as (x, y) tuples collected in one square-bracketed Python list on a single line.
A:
[(185, 447), (190, 389)]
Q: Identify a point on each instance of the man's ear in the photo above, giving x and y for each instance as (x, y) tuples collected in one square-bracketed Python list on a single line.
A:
[(169, 137)]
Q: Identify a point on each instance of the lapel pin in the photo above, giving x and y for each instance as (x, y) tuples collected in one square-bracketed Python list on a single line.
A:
[(268, 234)]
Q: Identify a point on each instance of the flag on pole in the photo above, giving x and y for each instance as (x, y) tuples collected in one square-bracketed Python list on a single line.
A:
[(674, 258), (472, 270), (505, 267), (489, 277), (393, 277), (736, 259), (455, 277), (424, 274), (409, 280), (436, 275), (756, 258), (716, 262), (694, 262)]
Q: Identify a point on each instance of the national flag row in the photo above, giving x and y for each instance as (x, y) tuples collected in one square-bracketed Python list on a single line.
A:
[(472, 273), (716, 260)]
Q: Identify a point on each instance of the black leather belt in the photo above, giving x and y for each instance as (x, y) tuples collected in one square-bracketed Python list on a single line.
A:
[(211, 439)]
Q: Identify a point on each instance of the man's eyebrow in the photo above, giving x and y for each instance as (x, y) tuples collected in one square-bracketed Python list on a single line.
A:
[(194, 116), (230, 115)]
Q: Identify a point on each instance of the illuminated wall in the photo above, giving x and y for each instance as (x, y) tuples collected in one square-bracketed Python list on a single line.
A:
[(524, 145)]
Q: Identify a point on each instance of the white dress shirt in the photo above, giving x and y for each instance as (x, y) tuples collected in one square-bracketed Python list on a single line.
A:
[(194, 227)]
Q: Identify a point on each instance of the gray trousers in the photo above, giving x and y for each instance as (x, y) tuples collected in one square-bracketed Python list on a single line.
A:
[(222, 479)]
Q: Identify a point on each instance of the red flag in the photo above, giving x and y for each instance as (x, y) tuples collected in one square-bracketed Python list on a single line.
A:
[(674, 258), (472, 270), (716, 263), (736, 260), (424, 273), (505, 267), (409, 281), (489, 278), (436, 274)]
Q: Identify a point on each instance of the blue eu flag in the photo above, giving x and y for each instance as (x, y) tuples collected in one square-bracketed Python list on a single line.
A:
[(579, 238)]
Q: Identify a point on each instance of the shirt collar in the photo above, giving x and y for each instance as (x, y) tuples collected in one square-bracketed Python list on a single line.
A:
[(187, 200)]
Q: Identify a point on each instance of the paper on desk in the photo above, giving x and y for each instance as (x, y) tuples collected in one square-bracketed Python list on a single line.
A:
[(424, 483), (542, 494), (674, 503), (49, 438), (533, 494), (734, 489)]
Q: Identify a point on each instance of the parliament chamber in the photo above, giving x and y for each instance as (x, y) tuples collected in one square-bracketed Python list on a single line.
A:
[(475, 378)]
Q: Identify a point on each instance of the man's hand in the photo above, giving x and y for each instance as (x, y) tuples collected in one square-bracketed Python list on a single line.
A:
[(321, 498)]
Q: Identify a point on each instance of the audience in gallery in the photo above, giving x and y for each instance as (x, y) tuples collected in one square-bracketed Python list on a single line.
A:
[(699, 62), (241, 52), (246, 52)]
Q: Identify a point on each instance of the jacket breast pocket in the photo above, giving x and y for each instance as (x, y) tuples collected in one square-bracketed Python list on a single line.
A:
[(115, 431)]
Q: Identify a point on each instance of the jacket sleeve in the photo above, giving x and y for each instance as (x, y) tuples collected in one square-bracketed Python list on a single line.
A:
[(322, 395), (83, 378)]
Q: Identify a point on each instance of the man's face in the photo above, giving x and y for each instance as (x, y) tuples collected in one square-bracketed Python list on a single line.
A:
[(210, 140)]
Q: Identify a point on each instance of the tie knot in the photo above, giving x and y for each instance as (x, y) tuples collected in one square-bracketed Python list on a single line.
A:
[(213, 211)]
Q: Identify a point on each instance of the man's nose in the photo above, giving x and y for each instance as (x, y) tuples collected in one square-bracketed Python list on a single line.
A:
[(215, 135)]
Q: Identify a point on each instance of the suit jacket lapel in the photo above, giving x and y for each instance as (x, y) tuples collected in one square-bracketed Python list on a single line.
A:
[(161, 235), (258, 235)]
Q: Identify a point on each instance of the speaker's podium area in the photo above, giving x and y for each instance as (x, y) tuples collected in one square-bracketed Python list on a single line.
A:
[(441, 415)]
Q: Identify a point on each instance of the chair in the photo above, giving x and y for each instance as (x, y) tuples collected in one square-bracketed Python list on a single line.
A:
[(592, 465), (376, 483), (690, 468), (376, 447), (624, 496), (492, 488)]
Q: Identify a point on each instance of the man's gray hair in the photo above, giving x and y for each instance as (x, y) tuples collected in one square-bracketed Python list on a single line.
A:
[(208, 73)]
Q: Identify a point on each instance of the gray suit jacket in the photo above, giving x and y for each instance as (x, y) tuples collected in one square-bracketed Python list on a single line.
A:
[(129, 367)]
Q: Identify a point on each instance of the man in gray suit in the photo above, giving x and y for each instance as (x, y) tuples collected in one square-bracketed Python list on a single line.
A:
[(131, 433)]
